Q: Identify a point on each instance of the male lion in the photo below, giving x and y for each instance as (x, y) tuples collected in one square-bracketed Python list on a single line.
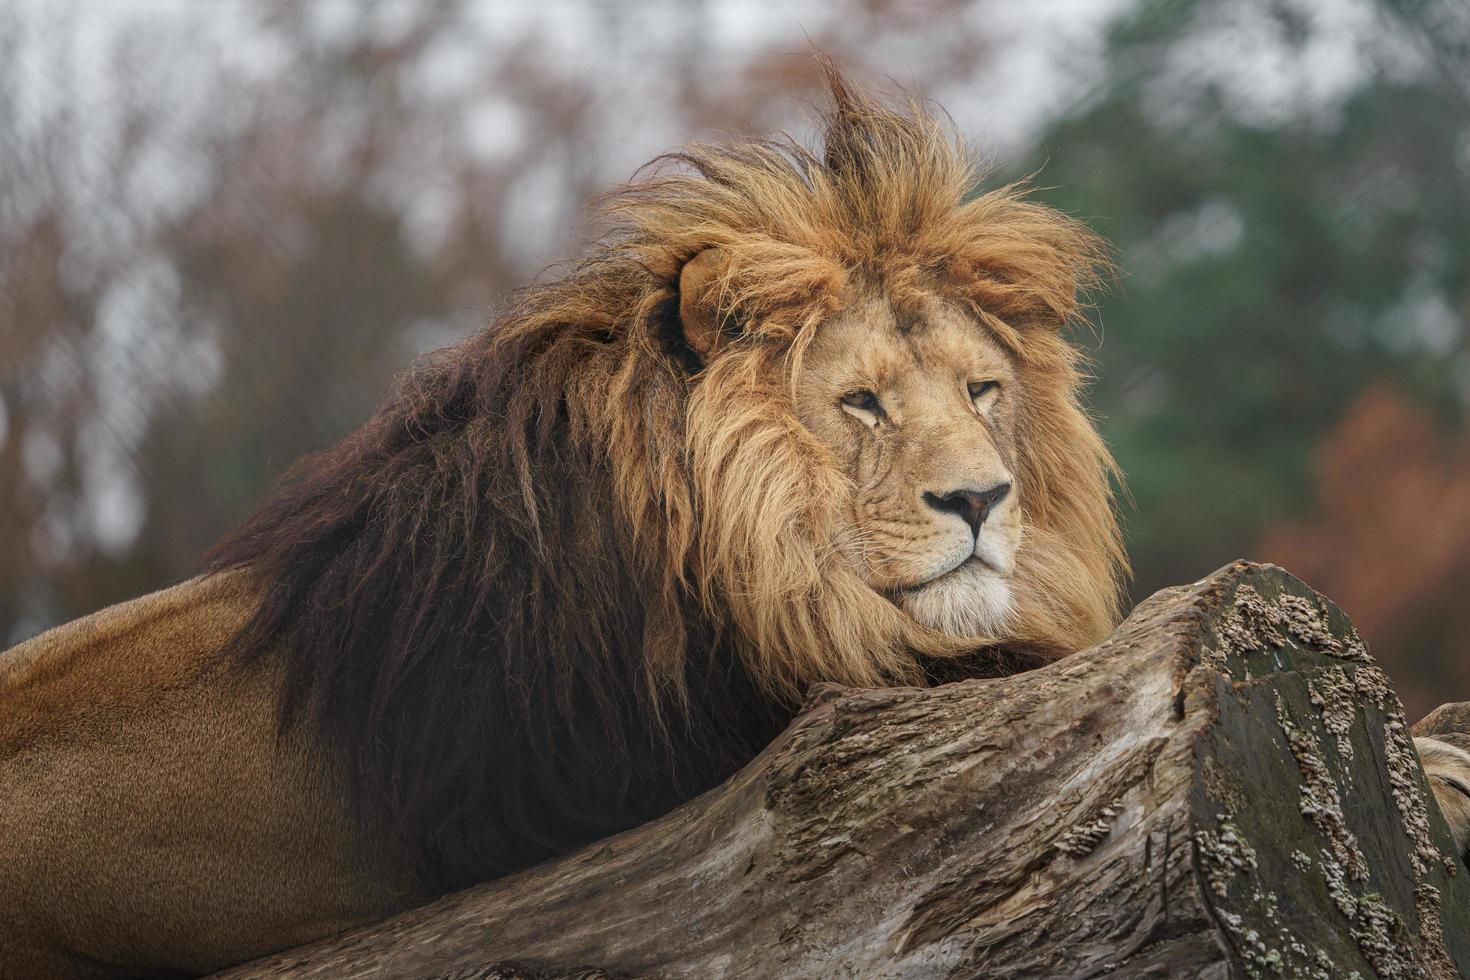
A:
[(803, 417)]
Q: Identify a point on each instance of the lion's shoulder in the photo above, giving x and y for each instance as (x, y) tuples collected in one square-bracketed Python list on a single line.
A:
[(124, 652)]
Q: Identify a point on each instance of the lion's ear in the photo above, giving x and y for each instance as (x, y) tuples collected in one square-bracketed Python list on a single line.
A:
[(699, 299)]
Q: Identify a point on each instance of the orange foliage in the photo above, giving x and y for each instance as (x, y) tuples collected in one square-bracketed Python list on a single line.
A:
[(1390, 541)]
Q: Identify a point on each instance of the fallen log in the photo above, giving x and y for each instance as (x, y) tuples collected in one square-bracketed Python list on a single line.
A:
[(1225, 787)]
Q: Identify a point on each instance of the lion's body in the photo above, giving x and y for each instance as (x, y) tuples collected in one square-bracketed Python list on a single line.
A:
[(149, 818)]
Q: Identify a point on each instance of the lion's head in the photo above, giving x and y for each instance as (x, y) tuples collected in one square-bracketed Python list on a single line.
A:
[(886, 450), (802, 417)]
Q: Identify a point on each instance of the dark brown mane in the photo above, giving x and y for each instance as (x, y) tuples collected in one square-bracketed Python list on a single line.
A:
[(468, 592), (460, 613)]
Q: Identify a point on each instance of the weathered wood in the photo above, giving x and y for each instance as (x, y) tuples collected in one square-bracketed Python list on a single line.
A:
[(1225, 787)]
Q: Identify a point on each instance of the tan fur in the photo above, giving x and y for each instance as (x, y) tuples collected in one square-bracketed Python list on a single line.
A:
[(1448, 769), (699, 301), (149, 820), (924, 437)]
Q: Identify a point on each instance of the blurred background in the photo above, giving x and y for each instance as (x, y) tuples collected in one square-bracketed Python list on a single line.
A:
[(224, 226)]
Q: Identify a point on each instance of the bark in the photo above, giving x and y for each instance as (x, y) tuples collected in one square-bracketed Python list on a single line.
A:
[(1225, 787)]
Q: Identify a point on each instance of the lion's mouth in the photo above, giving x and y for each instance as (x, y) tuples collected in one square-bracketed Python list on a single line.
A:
[(974, 561), (971, 599)]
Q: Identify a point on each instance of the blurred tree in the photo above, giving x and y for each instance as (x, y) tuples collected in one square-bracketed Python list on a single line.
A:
[(1282, 250), (1391, 532), (163, 364)]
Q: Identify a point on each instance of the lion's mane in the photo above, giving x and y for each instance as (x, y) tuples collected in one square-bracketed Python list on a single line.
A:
[(569, 576)]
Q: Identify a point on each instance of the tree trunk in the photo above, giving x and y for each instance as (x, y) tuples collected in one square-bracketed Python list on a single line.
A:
[(1225, 787)]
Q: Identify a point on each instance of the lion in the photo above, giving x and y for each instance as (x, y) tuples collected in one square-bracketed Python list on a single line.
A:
[(804, 416)]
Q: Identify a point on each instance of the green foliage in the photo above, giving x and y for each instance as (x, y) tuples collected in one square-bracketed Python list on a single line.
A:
[(1276, 261)]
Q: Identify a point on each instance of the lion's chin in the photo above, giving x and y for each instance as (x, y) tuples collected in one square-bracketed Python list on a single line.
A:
[(972, 600)]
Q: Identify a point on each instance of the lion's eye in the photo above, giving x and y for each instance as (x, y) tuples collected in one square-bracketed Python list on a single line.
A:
[(862, 403), (979, 389)]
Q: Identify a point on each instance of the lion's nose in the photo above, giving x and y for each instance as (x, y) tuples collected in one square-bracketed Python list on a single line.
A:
[(972, 505)]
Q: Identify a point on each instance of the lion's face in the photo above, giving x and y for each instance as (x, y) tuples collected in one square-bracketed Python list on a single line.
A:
[(918, 407), (882, 453)]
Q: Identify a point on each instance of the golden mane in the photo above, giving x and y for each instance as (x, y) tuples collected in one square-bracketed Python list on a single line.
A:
[(890, 202), (570, 541)]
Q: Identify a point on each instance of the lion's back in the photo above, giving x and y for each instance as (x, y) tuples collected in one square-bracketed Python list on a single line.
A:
[(148, 811), (138, 642)]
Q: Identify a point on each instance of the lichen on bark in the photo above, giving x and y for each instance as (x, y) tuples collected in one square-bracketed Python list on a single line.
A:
[(1365, 844)]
